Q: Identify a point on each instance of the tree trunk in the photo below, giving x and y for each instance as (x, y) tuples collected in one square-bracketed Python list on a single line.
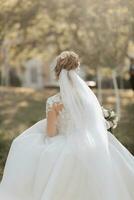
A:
[(99, 83), (117, 96), (5, 68)]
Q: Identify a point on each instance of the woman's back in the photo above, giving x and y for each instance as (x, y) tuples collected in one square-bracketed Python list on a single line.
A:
[(64, 124)]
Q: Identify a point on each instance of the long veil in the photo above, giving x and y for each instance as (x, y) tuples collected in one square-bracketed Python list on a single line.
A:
[(84, 108), (89, 132)]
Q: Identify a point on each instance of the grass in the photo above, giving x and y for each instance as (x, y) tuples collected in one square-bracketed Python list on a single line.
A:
[(125, 130), (21, 108)]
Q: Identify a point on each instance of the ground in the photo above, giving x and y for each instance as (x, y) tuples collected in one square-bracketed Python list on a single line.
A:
[(21, 107)]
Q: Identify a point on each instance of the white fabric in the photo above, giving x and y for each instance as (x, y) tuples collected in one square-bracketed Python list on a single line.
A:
[(82, 162)]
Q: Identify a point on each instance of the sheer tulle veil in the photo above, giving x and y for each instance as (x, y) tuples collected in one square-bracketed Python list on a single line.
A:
[(84, 108), (90, 142)]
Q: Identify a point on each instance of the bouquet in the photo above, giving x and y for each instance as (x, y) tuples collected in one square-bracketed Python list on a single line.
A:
[(111, 119)]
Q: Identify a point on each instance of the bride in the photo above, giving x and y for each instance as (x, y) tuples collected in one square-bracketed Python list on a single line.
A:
[(70, 155)]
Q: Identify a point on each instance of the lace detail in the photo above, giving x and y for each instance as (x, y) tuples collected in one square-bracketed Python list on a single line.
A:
[(64, 123), (51, 100)]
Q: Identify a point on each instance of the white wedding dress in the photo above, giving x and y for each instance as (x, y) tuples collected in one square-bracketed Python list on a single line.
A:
[(70, 166)]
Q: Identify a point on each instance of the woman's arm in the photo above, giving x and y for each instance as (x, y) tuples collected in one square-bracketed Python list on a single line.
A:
[(52, 116), (51, 122)]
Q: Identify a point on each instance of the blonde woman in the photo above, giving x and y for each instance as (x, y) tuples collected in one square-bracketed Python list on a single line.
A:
[(69, 155)]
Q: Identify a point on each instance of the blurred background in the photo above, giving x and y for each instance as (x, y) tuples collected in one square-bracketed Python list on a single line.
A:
[(33, 32)]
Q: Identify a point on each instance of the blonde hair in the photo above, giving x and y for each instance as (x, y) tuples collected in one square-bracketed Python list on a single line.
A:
[(66, 60)]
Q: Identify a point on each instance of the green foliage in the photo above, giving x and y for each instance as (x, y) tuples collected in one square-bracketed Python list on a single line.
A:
[(98, 30)]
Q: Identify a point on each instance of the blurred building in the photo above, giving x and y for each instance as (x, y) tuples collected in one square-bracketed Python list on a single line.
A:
[(33, 74), (36, 74)]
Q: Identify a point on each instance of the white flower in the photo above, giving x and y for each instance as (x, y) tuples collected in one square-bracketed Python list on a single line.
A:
[(105, 112), (110, 118), (108, 125), (112, 114)]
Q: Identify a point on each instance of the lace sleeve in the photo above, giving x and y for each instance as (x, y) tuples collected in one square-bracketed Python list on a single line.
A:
[(51, 101), (49, 105)]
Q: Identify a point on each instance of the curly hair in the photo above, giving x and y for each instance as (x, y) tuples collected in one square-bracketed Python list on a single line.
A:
[(66, 60)]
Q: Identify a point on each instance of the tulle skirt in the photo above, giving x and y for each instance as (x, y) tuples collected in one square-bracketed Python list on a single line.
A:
[(42, 168)]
